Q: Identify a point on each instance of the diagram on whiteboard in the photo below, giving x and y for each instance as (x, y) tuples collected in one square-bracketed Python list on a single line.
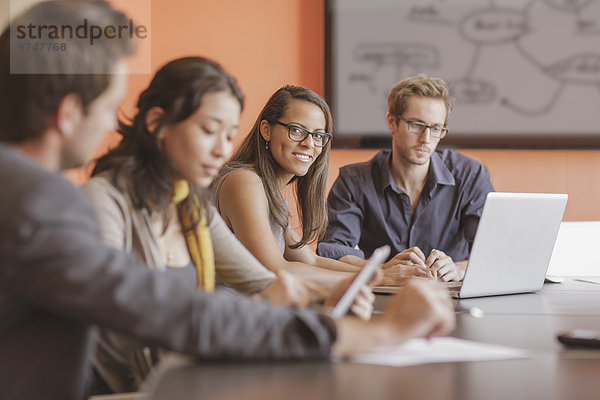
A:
[(514, 66)]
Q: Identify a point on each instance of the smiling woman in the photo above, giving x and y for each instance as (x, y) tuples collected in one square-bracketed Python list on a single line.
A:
[(278, 159), (289, 144)]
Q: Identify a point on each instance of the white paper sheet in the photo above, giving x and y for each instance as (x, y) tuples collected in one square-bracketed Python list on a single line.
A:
[(436, 350)]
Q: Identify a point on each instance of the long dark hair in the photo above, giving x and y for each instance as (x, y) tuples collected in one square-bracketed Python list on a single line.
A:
[(178, 88), (310, 188)]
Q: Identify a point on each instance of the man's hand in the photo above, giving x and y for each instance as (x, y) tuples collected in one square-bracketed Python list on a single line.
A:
[(443, 266), (410, 262), (414, 255), (422, 309), (363, 304), (289, 290)]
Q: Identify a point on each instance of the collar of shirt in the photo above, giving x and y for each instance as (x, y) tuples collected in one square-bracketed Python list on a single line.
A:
[(439, 174)]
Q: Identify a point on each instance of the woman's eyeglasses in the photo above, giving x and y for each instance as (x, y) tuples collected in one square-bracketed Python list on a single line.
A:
[(299, 134)]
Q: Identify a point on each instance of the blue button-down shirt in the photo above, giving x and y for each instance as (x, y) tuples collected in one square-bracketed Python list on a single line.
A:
[(367, 209)]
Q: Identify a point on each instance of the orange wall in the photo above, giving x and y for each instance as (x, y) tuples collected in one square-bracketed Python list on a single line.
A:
[(576, 172), (268, 43), (265, 44)]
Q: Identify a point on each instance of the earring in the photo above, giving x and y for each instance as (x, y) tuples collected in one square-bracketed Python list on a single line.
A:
[(266, 145)]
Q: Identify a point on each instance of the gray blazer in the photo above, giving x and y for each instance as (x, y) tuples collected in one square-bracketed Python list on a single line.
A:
[(57, 281)]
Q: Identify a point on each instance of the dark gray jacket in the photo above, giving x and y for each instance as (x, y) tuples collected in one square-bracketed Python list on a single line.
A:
[(57, 281)]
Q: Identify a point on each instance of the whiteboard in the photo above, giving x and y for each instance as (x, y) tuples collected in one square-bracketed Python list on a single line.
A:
[(516, 68)]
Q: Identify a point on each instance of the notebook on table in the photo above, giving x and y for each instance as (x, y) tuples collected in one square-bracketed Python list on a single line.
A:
[(512, 247)]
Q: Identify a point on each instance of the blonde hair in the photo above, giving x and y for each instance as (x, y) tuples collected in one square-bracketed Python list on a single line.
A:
[(421, 85)]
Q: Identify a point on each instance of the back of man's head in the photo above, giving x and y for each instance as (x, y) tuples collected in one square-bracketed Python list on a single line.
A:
[(47, 53), (421, 85)]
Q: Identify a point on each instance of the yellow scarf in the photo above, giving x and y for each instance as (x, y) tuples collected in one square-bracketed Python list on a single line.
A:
[(198, 240)]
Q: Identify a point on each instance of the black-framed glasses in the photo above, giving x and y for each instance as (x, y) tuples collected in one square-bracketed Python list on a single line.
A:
[(299, 134), (436, 131)]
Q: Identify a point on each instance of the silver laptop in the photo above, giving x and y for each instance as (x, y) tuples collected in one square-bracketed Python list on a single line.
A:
[(513, 244)]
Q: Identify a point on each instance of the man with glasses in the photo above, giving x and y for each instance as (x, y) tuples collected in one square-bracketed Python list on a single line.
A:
[(424, 203)]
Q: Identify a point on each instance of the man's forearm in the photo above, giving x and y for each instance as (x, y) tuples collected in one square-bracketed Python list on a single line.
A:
[(421, 309), (356, 336)]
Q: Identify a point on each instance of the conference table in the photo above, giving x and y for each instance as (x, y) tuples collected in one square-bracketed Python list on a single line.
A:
[(526, 321)]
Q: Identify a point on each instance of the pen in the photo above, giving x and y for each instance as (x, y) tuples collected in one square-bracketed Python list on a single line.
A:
[(475, 312)]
